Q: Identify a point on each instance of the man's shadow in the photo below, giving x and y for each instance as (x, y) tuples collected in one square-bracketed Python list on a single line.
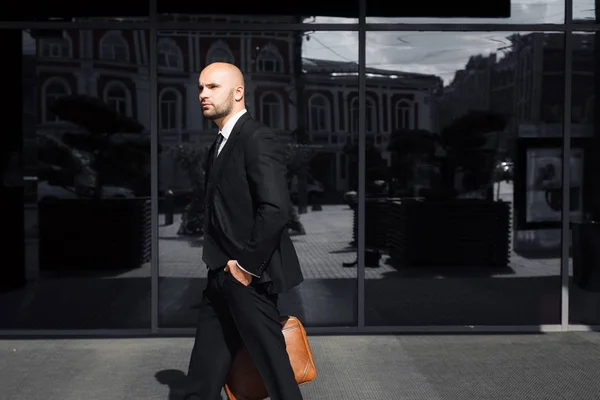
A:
[(175, 380)]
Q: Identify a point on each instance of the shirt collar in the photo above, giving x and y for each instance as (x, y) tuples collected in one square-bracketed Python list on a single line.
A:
[(226, 131)]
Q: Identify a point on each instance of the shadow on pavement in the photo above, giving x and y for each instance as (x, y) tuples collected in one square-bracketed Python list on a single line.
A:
[(174, 379)]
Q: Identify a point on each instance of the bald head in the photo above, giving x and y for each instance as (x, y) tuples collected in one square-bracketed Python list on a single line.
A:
[(221, 91), (225, 71)]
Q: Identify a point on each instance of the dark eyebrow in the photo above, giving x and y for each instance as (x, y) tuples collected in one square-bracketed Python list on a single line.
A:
[(209, 85)]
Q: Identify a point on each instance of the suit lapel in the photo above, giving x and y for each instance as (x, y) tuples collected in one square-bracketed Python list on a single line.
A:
[(215, 170)]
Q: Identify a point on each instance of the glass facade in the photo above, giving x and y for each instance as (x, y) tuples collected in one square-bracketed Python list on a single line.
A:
[(278, 77), (441, 169)]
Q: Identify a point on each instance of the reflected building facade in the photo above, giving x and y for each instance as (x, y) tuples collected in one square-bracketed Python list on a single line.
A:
[(113, 66), (461, 222)]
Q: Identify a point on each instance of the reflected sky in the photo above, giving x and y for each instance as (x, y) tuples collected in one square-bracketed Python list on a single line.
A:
[(435, 53)]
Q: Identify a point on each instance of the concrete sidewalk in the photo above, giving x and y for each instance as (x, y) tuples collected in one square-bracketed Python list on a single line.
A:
[(451, 367)]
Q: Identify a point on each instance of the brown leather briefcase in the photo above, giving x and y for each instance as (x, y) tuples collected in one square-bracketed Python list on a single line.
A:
[(244, 382)]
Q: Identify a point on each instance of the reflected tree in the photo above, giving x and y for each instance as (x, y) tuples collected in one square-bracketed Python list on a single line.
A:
[(471, 148), (410, 148), (190, 158), (298, 157), (62, 165), (119, 148), (376, 168)]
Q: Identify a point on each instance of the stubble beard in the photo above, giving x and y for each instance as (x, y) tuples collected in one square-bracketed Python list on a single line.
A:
[(221, 110)]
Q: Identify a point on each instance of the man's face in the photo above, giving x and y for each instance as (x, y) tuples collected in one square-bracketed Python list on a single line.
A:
[(215, 94)]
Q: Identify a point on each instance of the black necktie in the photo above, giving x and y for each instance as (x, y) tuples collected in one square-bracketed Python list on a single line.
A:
[(217, 145)]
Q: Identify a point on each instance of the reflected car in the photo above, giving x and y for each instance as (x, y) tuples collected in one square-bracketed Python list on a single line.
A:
[(46, 191), (504, 171)]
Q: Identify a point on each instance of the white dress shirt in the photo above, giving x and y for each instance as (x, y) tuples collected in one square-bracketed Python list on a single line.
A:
[(226, 132)]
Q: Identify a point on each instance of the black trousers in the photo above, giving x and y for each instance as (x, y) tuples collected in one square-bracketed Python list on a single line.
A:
[(232, 314)]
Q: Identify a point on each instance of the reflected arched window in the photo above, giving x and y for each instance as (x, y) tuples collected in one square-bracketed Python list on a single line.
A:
[(319, 114), (117, 96), (269, 60), (272, 111), (114, 47), (219, 52), (402, 115), (53, 89), (168, 117), (169, 54)]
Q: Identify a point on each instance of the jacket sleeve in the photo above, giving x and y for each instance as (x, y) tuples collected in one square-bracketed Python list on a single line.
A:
[(266, 173)]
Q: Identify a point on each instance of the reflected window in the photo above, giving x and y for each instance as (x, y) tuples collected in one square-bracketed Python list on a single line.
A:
[(169, 54), (219, 52), (113, 47), (53, 89), (402, 115), (319, 114), (116, 95), (371, 116), (269, 60), (272, 111), (169, 105), (56, 48)]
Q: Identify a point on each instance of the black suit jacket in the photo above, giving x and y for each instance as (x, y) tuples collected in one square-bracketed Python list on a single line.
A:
[(248, 207)]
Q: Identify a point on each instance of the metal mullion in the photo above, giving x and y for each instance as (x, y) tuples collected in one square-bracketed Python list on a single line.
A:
[(566, 170), (154, 268), (362, 89)]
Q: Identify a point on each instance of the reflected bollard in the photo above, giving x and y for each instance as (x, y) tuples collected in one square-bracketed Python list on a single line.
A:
[(316, 203), (169, 204)]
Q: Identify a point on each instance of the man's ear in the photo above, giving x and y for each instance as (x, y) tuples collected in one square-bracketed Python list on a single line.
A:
[(238, 94)]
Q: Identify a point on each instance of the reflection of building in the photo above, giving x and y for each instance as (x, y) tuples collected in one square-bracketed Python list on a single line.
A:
[(395, 101), (470, 89), (527, 85), (113, 66)]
